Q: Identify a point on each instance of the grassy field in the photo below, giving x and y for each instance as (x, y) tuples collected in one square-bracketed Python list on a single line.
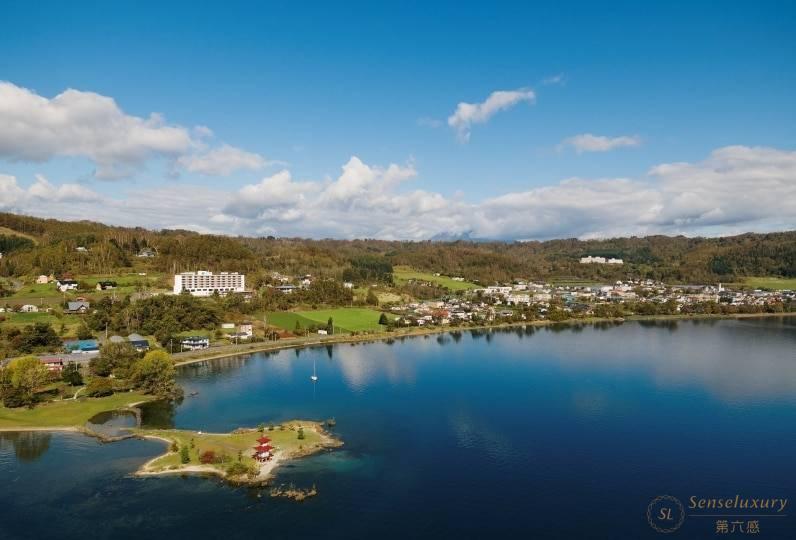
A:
[(66, 413), (11, 232), (71, 322), (769, 283), (345, 319), (284, 440), (402, 274)]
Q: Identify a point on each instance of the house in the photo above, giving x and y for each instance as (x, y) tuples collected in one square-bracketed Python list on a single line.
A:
[(192, 343), (105, 285), (81, 346), (42, 280), (348, 285), (227, 325), (53, 363), (146, 253), (322, 332), (81, 249), (79, 306), (29, 308), (286, 289), (138, 342), (64, 284), (246, 328)]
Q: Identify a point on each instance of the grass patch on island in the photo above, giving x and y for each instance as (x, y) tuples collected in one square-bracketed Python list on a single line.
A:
[(228, 446)]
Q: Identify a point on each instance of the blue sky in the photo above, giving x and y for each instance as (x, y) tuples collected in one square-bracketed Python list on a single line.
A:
[(306, 88)]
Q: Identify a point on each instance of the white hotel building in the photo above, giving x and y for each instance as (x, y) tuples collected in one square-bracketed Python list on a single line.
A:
[(203, 283)]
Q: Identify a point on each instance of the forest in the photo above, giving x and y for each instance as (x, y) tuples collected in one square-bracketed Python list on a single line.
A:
[(47, 246)]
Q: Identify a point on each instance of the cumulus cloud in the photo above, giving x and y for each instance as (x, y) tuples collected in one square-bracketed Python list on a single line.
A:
[(734, 189), (586, 142), (467, 114), (13, 197), (85, 124), (222, 161)]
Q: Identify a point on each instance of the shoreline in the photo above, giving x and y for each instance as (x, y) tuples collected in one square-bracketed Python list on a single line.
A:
[(415, 331)]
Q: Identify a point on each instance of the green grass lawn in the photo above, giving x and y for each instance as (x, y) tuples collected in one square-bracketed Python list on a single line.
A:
[(67, 413), (402, 274), (774, 283), (72, 322), (345, 319), (285, 440)]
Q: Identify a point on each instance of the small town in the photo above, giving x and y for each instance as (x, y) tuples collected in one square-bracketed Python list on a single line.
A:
[(470, 305)]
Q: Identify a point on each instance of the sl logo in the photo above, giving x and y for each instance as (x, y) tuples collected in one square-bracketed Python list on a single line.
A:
[(665, 514)]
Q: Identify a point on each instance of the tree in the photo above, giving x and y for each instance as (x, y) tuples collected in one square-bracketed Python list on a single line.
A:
[(330, 325), (301, 433), (98, 387), (372, 299), (185, 456), (38, 336), (71, 374), (297, 329), (20, 379), (114, 356), (155, 374), (383, 319), (84, 332)]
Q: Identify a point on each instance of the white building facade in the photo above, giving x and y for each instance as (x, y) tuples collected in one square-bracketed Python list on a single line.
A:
[(203, 283)]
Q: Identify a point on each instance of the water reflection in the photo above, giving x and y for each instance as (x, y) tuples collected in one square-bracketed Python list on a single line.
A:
[(28, 445)]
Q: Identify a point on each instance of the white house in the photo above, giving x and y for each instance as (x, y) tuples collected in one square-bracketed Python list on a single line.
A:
[(42, 280), (29, 308)]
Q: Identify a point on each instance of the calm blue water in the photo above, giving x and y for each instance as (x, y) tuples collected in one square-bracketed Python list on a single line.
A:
[(546, 433)]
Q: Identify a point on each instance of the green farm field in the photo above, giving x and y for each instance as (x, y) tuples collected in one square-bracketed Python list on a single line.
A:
[(345, 319), (402, 274)]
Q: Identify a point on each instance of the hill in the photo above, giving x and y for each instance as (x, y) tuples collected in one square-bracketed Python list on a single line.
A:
[(35, 246)]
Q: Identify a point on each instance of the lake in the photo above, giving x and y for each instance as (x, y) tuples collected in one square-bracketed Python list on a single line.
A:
[(552, 432)]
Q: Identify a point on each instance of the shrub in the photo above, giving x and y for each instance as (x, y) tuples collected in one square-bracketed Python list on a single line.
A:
[(208, 456), (237, 469), (301, 433), (99, 386)]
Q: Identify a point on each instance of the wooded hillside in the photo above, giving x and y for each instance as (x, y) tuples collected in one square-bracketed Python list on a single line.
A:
[(34, 246)]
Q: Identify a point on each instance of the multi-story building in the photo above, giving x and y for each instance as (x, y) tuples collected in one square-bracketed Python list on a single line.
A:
[(203, 283)]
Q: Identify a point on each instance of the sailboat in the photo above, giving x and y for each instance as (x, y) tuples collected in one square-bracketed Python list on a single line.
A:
[(314, 376)]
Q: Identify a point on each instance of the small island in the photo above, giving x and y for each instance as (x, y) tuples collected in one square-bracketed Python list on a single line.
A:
[(244, 456)]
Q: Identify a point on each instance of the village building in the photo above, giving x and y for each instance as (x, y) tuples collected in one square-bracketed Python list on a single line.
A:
[(192, 343), (203, 283)]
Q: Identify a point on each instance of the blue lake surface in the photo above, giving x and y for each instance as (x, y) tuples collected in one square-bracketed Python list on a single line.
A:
[(564, 432)]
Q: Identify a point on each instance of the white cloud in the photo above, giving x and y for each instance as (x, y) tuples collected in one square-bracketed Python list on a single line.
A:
[(41, 194), (586, 142), (467, 114), (222, 161), (557, 79), (85, 124), (735, 189), (43, 190)]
